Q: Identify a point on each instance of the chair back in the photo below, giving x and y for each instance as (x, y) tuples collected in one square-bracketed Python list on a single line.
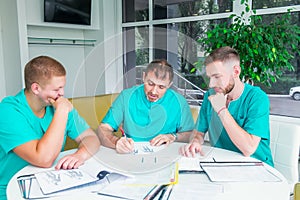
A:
[(297, 191), (285, 142)]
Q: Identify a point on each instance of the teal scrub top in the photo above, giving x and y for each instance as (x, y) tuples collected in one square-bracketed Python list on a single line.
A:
[(19, 125), (143, 120), (250, 111)]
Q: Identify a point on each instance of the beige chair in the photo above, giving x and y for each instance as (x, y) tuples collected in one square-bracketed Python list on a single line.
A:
[(297, 191), (285, 142)]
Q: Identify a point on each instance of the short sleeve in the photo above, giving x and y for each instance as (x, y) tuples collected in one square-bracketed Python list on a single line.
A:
[(114, 116), (186, 122), (202, 120), (15, 128), (257, 122), (76, 124)]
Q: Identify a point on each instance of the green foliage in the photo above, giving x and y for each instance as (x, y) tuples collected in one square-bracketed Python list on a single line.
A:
[(266, 49)]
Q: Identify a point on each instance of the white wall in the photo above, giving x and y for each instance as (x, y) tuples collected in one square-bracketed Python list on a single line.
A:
[(2, 77), (10, 48), (70, 56), (90, 70)]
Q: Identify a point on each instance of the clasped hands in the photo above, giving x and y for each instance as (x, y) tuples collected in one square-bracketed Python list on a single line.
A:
[(126, 145)]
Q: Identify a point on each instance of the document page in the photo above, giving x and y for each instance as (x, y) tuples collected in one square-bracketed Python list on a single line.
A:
[(189, 188), (146, 148), (238, 172), (56, 180), (192, 164)]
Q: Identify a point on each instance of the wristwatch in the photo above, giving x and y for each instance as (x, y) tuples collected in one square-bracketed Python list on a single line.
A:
[(175, 136)]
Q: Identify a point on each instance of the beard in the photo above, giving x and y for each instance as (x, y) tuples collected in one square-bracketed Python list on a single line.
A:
[(229, 87)]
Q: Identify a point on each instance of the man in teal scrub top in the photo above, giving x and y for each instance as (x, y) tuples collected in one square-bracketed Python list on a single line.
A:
[(235, 114), (148, 112), (34, 123)]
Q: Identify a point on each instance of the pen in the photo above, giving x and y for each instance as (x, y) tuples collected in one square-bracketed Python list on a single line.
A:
[(167, 192), (123, 133), (162, 193), (155, 191), (26, 176)]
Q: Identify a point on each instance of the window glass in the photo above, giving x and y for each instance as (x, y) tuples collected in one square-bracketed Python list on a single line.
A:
[(281, 102), (135, 10), (175, 39), (165, 9), (136, 47), (258, 4), (177, 42)]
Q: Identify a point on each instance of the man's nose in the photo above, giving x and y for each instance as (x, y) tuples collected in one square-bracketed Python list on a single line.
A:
[(61, 92), (212, 83), (154, 89)]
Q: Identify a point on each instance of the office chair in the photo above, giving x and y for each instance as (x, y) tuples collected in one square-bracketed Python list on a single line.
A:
[(285, 142)]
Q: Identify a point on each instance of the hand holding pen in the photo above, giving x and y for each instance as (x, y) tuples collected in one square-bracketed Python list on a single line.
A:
[(124, 144)]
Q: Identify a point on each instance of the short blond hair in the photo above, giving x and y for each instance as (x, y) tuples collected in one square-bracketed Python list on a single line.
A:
[(41, 69)]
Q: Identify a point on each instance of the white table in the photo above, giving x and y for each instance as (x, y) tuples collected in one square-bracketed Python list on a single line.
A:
[(192, 184)]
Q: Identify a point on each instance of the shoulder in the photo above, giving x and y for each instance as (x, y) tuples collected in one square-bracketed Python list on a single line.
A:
[(256, 91), (254, 95), (132, 90), (173, 95), (17, 102)]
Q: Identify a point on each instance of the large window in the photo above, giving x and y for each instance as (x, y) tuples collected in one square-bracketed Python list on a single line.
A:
[(257, 4), (170, 29)]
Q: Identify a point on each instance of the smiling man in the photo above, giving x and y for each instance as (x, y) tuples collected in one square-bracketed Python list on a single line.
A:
[(235, 114), (149, 112), (34, 123)]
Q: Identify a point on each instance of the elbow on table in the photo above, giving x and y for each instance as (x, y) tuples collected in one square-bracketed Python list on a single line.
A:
[(44, 162), (248, 152)]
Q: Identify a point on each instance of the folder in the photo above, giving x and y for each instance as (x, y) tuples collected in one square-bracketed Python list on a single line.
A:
[(61, 182)]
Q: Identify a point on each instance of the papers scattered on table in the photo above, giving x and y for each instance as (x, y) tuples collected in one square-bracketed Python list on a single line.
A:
[(57, 180), (192, 164), (146, 148), (238, 172), (189, 188), (139, 186), (61, 182)]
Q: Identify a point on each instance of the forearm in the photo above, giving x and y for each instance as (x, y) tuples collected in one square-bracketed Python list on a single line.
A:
[(88, 145), (244, 141), (197, 137), (106, 136), (49, 146), (183, 136)]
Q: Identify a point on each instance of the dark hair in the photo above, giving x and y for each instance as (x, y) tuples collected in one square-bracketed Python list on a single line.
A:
[(222, 54), (161, 68), (41, 69)]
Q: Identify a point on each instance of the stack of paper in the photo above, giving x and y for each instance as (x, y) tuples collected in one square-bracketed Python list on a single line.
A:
[(62, 182)]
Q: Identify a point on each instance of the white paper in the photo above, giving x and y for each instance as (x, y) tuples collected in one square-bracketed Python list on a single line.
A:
[(238, 172), (146, 148), (189, 188), (57, 180)]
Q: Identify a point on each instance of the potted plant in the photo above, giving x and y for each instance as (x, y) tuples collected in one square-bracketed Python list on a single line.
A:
[(266, 49)]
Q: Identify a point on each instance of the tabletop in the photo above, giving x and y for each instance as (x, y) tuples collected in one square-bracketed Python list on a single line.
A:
[(189, 186)]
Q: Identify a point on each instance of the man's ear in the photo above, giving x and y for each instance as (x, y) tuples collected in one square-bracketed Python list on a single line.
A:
[(236, 71), (144, 76), (170, 84), (35, 88)]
